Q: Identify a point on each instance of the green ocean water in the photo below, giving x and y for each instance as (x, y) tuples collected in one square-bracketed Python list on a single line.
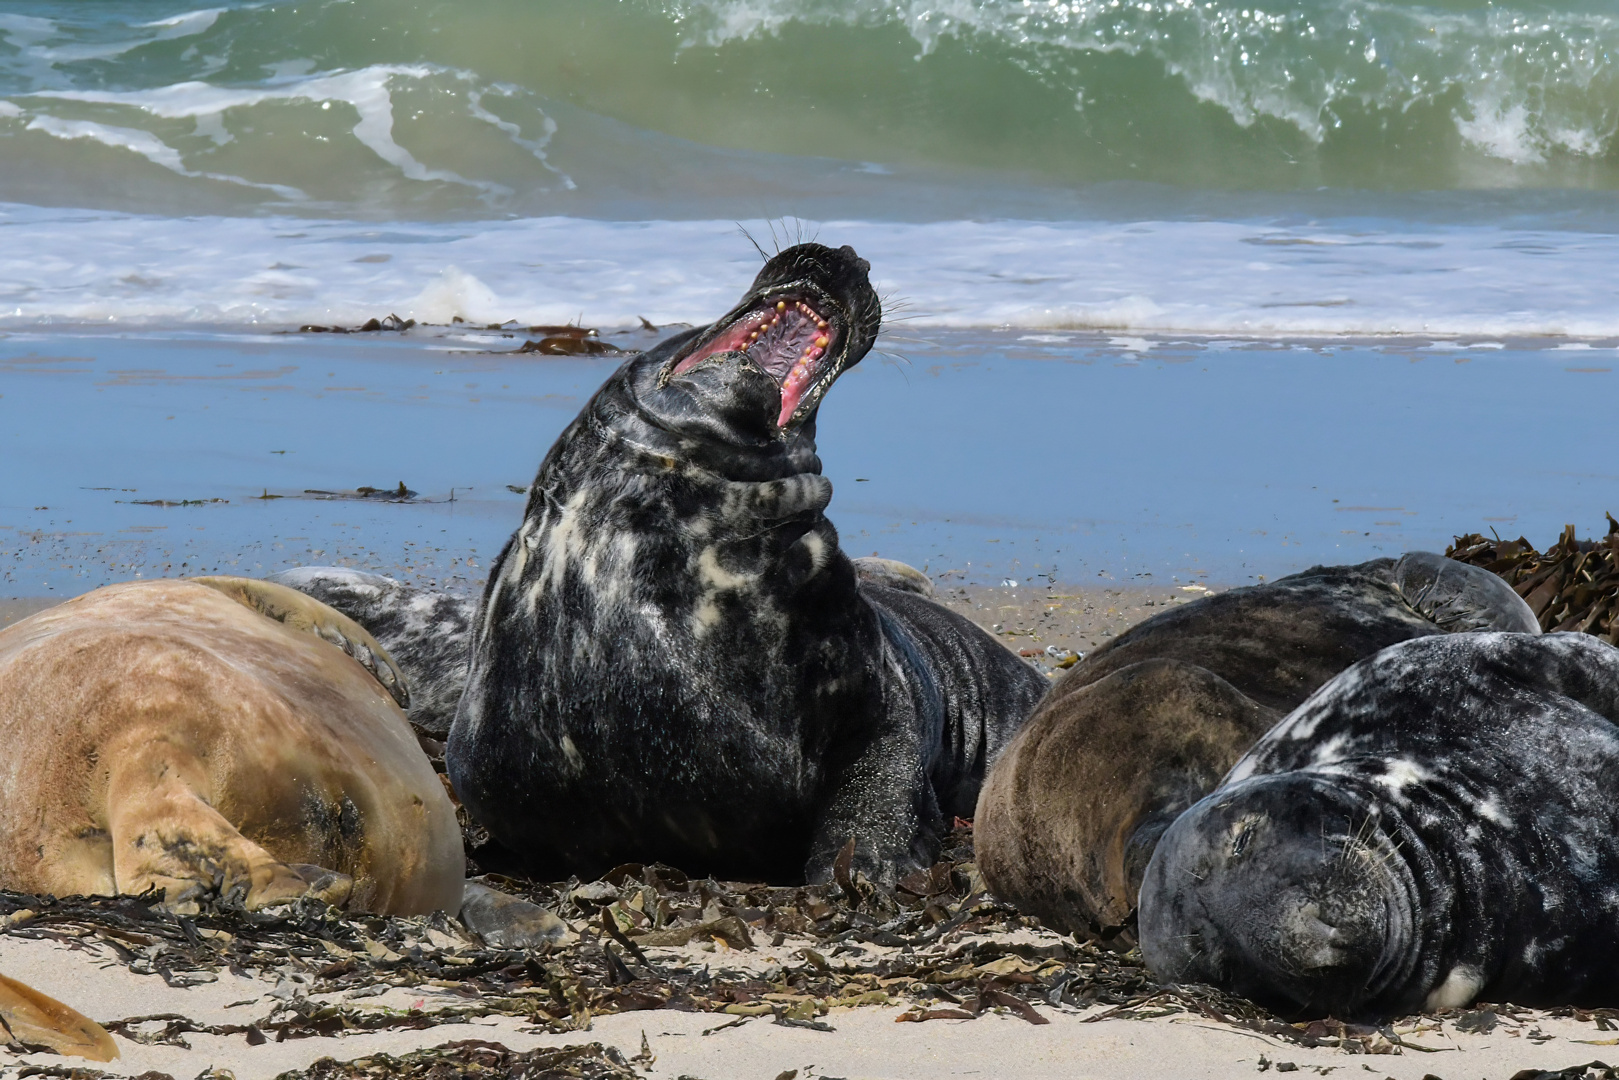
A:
[(431, 108)]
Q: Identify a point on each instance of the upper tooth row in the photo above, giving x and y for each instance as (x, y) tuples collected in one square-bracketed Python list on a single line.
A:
[(781, 305)]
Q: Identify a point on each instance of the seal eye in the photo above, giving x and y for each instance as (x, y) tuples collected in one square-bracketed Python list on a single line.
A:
[(786, 338)]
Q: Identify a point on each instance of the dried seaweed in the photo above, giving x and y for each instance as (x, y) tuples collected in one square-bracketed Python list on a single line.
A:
[(474, 1059), (650, 937), (1593, 1070), (1572, 585)]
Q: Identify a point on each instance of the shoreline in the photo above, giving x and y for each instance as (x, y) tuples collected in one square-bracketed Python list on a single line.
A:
[(1067, 618)]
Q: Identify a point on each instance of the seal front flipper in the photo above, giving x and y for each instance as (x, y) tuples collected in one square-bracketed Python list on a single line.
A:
[(300, 612), (165, 835), (1458, 597), (880, 794)]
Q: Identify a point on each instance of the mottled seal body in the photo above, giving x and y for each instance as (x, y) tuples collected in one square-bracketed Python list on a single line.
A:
[(1148, 724), (1436, 824), (673, 659), (169, 734), (426, 631)]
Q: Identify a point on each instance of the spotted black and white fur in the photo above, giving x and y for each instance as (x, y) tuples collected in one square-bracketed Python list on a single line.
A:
[(674, 660), (1437, 824), (1149, 723)]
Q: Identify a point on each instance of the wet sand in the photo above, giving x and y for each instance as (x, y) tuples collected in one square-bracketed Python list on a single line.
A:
[(982, 457), (20, 608)]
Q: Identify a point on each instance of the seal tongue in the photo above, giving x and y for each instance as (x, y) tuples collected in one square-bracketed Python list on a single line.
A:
[(786, 340)]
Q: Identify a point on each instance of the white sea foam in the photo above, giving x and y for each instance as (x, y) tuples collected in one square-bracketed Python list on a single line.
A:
[(1215, 277)]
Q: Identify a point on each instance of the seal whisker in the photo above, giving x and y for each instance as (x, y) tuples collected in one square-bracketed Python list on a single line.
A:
[(743, 229)]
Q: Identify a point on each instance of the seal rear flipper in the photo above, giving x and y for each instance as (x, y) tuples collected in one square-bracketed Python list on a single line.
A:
[(302, 612), (426, 631), (166, 836), (1458, 597), (32, 1019), (510, 922), (892, 574)]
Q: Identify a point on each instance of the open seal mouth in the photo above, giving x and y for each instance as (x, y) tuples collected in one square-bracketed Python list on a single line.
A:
[(789, 338)]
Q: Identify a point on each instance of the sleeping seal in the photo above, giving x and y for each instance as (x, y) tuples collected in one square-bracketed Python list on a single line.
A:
[(673, 660), (1149, 723), (206, 737), (1436, 824)]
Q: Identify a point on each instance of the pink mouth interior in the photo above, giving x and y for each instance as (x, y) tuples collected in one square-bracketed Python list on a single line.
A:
[(786, 339)]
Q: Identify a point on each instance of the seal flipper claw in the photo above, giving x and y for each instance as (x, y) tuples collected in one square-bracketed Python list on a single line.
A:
[(327, 886), (892, 574), (300, 611), (1458, 597)]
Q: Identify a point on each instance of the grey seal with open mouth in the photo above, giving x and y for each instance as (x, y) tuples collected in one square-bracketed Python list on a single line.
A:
[(674, 661)]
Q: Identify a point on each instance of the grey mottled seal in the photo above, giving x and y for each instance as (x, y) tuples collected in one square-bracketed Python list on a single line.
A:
[(1149, 723), (428, 632), (673, 659), (1436, 824)]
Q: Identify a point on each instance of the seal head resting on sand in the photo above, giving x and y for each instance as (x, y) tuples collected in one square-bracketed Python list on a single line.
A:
[(1148, 724), (206, 737), (1435, 825), (673, 659)]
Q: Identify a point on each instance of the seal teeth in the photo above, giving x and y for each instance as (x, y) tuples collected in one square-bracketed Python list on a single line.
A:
[(779, 336)]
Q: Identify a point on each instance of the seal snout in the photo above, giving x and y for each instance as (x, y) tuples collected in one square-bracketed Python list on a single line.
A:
[(810, 315), (1289, 899)]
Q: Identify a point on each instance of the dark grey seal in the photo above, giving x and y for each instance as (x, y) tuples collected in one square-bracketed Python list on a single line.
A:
[(1149, 723), (1438, 823), (673, 660)]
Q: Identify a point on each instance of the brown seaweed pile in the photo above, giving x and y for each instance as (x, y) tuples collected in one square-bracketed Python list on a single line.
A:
[(474, 1059), (1572, 585)]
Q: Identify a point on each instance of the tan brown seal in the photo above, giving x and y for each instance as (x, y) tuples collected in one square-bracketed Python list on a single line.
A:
[(206, 736), (1069, 816)]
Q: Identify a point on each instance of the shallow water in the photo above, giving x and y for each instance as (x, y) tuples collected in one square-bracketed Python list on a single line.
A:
[(985, 457)]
